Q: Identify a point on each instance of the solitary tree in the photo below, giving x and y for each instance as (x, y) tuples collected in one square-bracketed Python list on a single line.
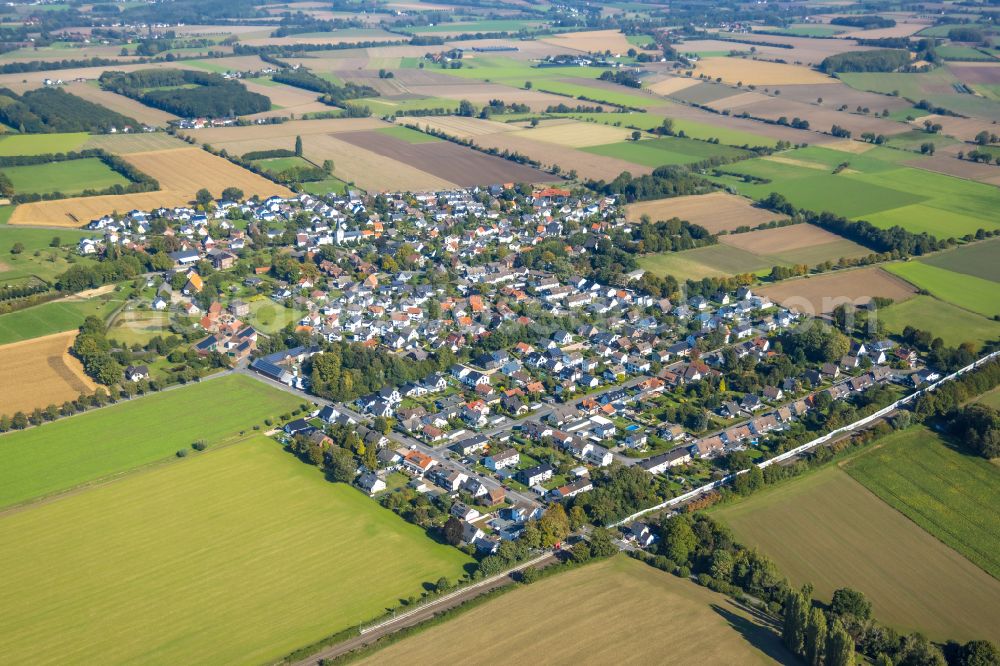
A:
[(203, 197), (636, 135), (298, 146)]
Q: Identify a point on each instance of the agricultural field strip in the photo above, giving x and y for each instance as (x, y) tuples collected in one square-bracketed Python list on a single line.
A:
[(183, 540), (66, 453)]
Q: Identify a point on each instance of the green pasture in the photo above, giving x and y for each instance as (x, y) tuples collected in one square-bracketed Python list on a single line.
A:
[(953, 495), (386, 107), (407, 134), (665, 150), (69, 177), (966, 291), (944, 320), (875, 186), (41, 144), (978, 259), (710, 261), (236, 555), (54, 317), (50, 262), (325, 186), (277, 165), (106, 442)]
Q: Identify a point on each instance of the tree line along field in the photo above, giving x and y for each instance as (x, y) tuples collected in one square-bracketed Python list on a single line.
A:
[(235, 555), (40, 372), (873, 186), (613, 611), (827, 529), (954, 496), (95, 445)]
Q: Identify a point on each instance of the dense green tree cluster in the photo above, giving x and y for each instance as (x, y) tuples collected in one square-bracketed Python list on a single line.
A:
[(186, 93), (55, 110), (619, 490), (665, 181), (348, 370), (865, 21), (94, 351), (332, 93), (878, 60)]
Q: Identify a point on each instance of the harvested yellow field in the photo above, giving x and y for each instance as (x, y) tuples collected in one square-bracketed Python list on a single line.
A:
[(566, 618), (757, 72), (40, 372), (368, 170), (220, 136), (716, 211), (123, 144), (181, 173), (591, 41), (463, 128), (737, 100), (672, 85), (821, 294), (849, 146), (576, 134), (791, 161)]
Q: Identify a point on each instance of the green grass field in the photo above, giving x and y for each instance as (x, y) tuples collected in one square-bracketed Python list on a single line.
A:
[(40, 144), (325, 186), (827, 529), (665, 150), (874, 187), (471, 27), (54, 317), (384, 107), (237, 555), (944, 320), (952, 495), (270, 317), (276, 165), (70, 177), (992, 399), (407, 134), (723, 259), (710, 261), (50, 261), (94, 445), (579, 89), (966, 291), (978, 259)]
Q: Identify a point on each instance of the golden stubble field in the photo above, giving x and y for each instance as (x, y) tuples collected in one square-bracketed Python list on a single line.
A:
[(757, 72), (40, 372), (618, 611), (181, 173), (716, 211)]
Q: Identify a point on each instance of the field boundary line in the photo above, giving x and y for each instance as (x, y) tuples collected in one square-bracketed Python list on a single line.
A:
[(455, 593)]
